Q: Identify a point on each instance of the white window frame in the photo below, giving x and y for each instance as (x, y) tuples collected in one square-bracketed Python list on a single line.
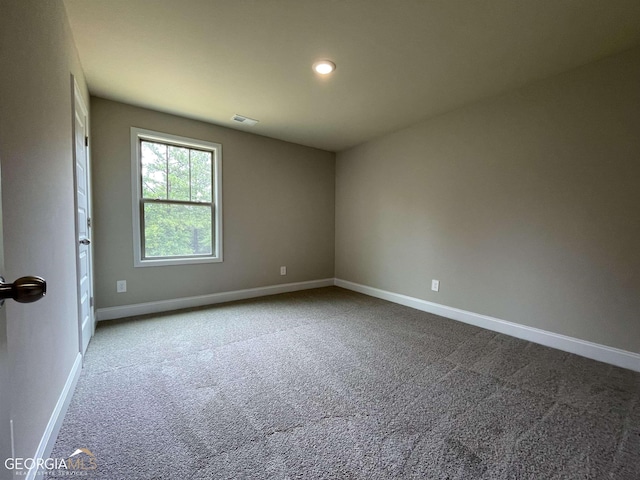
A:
[(138, 134)]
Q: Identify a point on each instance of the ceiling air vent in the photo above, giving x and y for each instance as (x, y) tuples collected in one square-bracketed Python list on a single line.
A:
[(244, 120)]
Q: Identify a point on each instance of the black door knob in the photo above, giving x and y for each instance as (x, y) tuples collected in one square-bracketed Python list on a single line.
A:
[(24, 290)]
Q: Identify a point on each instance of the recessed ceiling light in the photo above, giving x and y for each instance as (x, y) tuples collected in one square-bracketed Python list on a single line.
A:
[(324, 67)]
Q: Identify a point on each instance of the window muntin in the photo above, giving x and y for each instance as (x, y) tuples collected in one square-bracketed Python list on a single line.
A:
[(177, 210)]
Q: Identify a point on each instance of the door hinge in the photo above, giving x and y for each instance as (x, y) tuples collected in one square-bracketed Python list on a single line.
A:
[(89, 222), (91, 301), (86, 141)]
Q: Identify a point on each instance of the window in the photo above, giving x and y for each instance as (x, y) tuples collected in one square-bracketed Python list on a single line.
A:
[(177, 211)]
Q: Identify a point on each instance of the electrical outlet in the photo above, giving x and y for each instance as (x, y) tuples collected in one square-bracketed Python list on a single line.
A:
[(283, 270), (435, 285), (121, 286)]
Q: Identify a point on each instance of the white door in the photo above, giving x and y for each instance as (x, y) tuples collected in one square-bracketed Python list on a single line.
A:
[(24, 290), (5, 408), (83, 221)]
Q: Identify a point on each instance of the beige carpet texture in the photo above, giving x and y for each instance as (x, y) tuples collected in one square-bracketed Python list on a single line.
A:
[(332, 384)]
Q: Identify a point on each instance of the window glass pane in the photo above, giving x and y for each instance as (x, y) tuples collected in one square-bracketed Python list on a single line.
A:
[(154, 170), (177, 230), (179, 173), (200, 176)]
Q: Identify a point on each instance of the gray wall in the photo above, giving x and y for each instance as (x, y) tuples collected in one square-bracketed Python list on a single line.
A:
[(278, 201), (37, 57), (526, 206)]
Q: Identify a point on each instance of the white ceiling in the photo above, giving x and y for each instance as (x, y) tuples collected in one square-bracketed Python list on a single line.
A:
[(398, 61)]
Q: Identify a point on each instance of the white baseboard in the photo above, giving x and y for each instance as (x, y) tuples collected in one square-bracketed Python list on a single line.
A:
[(112, 313), (595, 351), (55, 422)]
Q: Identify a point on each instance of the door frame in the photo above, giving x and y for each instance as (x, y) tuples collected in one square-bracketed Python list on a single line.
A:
[(78, 104)]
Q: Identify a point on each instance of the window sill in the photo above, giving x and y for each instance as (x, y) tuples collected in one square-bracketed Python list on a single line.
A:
[(164, 262)]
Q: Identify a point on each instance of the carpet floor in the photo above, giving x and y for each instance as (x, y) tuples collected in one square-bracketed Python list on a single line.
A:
[(331, 384)]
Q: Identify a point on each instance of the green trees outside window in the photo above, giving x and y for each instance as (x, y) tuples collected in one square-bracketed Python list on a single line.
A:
[(177, 206)]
